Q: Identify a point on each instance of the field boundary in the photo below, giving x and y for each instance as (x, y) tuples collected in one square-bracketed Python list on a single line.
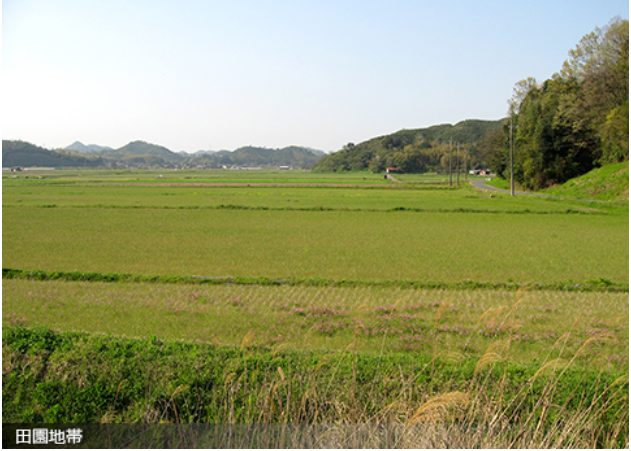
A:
[(568, 211), (79, 276)]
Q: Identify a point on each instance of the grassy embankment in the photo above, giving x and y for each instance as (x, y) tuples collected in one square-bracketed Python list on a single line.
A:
[(609, 182), (474, 355)]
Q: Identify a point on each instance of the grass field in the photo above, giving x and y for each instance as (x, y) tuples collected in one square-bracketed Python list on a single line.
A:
[(438, 321), (436, 247), (370, 242), (217, 176), (398, 232)]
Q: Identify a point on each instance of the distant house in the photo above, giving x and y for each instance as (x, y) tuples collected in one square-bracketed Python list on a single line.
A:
[(480, 172), (391, 170), (284, 168)]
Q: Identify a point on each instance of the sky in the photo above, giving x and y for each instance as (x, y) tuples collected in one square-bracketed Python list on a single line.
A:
[(218, 75)]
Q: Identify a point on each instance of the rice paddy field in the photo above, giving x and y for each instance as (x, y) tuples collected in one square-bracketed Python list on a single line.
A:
[(508, 305)]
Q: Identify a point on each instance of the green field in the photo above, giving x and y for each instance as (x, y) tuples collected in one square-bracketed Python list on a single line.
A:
[(436, 247), (308, 266), (398, 232), (438, 321), (216, 176)]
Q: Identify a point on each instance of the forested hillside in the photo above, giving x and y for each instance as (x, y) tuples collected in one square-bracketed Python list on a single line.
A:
[(418, 150), (260, 156), (80, 147), (21, 153), (140, 151), (143, 154), (577, 120)]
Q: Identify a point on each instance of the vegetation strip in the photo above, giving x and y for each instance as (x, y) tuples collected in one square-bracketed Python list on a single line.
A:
[(46, 375), (79, 276), (263, 208)]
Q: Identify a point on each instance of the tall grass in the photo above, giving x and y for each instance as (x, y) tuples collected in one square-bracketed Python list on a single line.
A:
[(480, 389), (371, 400)]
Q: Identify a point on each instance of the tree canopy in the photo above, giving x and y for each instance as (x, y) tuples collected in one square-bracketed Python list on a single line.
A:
[(575, 121), (417, 150)]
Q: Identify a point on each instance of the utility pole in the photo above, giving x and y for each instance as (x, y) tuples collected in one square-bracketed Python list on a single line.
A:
[(512, 179), (466, 154), (450, 162), (458, 164)]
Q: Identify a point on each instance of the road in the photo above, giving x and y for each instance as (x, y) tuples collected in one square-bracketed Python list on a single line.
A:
[(393, 179)]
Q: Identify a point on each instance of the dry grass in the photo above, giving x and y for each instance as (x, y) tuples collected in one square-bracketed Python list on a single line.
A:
[(327, 402), (304, 400), (541, 325)]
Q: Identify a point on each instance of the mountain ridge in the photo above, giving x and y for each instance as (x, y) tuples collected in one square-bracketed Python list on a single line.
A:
[(78, 146), (22, 153), (412, 150), (141, 153)]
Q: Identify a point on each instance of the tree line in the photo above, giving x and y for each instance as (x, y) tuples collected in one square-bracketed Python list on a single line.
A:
[(573, 122), (418, 150)]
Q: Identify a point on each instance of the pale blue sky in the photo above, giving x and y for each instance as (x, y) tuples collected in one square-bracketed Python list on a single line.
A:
[(194, 75)]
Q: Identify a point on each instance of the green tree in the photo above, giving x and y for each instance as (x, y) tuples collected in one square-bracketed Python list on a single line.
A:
[(575, 121)]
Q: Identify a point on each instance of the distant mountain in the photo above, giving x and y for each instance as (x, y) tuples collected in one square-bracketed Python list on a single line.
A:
[(141, 153), (417, 150), (317, 153), (78, 146), (260, 156), (21, 153), (137, 150)]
